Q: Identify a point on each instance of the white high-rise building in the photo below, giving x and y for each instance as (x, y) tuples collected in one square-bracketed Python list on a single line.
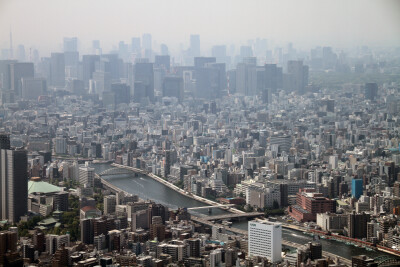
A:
[(265, 240)]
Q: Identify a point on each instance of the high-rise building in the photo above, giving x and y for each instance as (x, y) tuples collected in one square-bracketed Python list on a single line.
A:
[(164, 50), (147, 45), (246, 79), (357, 225), (122, 93), (17, 72), (356, 188), (57, 69), (109, 204), (163, 62), (371, 91), (298, 74), (136, 46), (173, 87), (265, 240), (88, 67), (13, 183), (195, 45), (70, 44), (86, 175), (144, 73), (32, 88), (309, 203), (5, 78)]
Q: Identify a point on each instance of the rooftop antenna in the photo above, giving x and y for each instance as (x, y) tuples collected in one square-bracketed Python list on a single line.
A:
[(11, 45)]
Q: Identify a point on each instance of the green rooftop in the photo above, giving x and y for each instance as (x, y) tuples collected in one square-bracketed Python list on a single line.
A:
[(42, 187)]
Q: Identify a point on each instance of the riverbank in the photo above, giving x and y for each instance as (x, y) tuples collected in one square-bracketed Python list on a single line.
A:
[(175, 188)]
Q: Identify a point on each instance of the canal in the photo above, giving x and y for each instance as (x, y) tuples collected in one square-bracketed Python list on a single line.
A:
[(147, 188)]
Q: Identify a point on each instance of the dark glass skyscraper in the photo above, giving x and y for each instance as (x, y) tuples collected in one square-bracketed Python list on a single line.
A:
[(13, 182)]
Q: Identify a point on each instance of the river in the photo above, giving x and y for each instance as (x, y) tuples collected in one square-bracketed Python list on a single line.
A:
[(147, 188)]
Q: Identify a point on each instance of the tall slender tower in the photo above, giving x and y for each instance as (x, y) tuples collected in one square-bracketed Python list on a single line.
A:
[(11, 46)]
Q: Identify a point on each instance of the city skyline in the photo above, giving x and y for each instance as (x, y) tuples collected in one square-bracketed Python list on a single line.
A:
[(332, 23)]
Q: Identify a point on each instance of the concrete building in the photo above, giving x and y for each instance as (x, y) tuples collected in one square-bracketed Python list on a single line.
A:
[(265, 240)]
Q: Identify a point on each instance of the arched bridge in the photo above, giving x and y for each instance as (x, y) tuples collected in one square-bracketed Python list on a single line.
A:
[(115, 171), (387, 261)]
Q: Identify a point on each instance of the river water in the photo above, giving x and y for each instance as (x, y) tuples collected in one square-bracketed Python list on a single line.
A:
[(147, 188)]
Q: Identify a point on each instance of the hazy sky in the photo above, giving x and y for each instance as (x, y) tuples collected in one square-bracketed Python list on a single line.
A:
[(339, 23)]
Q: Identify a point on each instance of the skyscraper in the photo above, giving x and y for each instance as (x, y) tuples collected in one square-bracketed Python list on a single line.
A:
[(70, 44), (299, 75), (18, 71), (371, 91), (147, 45), (57, 69), (89, 66), (195, 45), (144, 73), (173, 86), (13, 182), (265, 240), (136, 46)]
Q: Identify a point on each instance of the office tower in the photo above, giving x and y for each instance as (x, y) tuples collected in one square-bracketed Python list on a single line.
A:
[(194, 247), (173, 87), (17, 72), (5, 78), (109, 204), (122, 93), (70, 44), (299, 75), (96, 49), (61, 201), (88, 67), (271, 77), (207, 82), (32, 88), (21, 53), (357, 225), (162, 62), (164, 50), (246, 51), (144, 73), (147, 45), (57, 69), (110, 63), (71, 59), (371, 91), (195, 45), (86, 176), (246, 79), (77, 87), (60, 145), (356, 188), (265, 240), (86, 231), (136, 46), (13, 184), (102, 82)]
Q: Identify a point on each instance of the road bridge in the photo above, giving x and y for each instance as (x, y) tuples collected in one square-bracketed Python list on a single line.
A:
[(234, 216), (115, 171)]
